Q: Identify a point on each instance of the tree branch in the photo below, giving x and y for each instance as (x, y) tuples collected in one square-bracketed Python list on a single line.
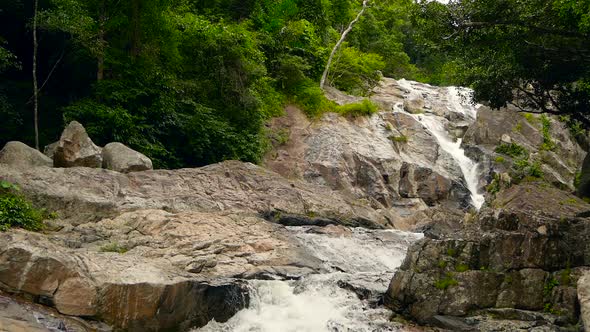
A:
[(340, 41)]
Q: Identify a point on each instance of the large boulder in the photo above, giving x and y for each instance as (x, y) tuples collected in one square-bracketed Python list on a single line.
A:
[(150, 270), (559, 162), (120, 158), (76, 149), (49, 150), (87, 193), (526, 253), (20, 154), (130, 292)]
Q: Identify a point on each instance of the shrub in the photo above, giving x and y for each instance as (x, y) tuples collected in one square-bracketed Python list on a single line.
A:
[(16, 211), (513, 150), (364, 108), (312, 100), (548, 144)]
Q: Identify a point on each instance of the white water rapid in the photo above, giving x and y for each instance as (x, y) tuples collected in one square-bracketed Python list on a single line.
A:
[(457, 100), (364, 259)]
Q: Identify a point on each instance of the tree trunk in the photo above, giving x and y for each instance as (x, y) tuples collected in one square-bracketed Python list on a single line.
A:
[(135, 33), (339, 43), (35, 87), (101, 42)]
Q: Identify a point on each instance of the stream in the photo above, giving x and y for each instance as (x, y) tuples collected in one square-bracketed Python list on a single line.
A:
[(359, 263)]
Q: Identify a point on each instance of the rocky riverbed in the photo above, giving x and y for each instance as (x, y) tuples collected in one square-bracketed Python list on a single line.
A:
[(310, 240)]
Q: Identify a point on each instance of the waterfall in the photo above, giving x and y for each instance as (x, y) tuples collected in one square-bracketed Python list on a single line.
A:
[(458, 100), (364, 259)]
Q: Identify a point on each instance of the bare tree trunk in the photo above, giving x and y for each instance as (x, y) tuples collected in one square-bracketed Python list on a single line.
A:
[(35, 87), (340, 41), (101, 42), (136, 34)]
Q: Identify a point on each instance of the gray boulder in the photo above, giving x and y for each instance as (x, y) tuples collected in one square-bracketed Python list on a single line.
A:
[(76, 149), (20, 154), (120, 158), (49, 150)]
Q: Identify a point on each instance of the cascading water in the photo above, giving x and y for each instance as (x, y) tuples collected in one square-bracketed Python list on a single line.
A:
[(365, 259), (458, 100)]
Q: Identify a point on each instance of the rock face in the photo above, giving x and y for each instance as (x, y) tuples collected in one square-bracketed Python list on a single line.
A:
[(560, 163), (389, 159), (120, 158), (584, 186), (525, 253), (86, 193), (164, 250), (76, 149), (584, 297), (20, 154)]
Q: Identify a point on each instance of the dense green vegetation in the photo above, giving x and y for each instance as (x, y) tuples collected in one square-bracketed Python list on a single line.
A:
[(190, 82), (16, 211), (538, 50)]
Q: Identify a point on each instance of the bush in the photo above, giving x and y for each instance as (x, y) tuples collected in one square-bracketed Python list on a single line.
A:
[(366, 107), (312, 100), (16, 211), (513, 150), (356, 72)]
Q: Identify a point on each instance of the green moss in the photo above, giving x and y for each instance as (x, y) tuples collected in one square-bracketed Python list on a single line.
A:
[(577, 179), (513, 150), (451, 252), (530, 118), (442, 264), (113, 247), (399, 139), (446, 282), (461, 267), (388, 126), (500, 160), (517, 128)]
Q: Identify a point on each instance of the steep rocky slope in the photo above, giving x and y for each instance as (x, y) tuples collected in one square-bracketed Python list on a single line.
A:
[(521, 259), (176, 249)]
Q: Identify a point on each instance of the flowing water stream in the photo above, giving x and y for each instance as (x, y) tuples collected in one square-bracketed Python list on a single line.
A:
[(457, 100), (364, 260), (359, 265)]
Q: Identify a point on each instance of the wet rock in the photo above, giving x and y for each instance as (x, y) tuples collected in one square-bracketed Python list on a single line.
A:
[(521, 254), (364, 157), (21, 155), (76, 149), (120, 158)]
